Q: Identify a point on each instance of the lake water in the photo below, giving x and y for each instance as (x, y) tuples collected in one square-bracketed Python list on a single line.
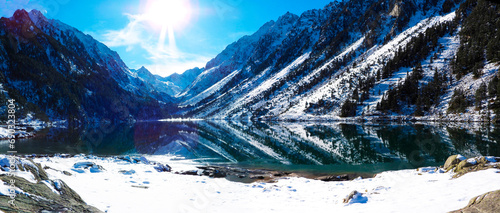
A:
[(310, 147)]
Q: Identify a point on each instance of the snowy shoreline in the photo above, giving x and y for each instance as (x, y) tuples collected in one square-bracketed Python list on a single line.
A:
[(120, 185)]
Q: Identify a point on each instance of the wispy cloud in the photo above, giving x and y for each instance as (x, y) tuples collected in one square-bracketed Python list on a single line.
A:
[(165, 59)]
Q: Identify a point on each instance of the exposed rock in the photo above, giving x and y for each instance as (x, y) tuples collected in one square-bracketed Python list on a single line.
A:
[(38, 197), (127, 172), (463, 165), (163, 168), (141, 187), (477, 164), (36, 170), (396, 11), (144, 160), (343, 177), (451, 162), (489, 202), (81, 166), (129, 159), (350, 196), (355, 197), (237, 174), (190, 172), (259, 177)]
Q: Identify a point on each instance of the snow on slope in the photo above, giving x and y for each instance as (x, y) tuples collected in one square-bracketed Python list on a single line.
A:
[(264, 86), (339, 90), (272, 97), (211, 90)]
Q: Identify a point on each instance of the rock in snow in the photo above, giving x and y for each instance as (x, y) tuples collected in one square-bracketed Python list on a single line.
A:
[(163, 168)]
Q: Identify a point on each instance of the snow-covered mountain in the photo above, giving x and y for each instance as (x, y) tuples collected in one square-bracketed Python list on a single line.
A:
[(358, 58), (422, 59), (54, 71), (179, 82)]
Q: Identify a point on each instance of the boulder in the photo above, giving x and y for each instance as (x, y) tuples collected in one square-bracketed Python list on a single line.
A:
[(489, 202), (217, 174), (190, 172), (163, 168), (451, 162), (127, 172), (462, 166), (81, 166), (355, 197)]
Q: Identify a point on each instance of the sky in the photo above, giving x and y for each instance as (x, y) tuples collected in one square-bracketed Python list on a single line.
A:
[(165, 36)]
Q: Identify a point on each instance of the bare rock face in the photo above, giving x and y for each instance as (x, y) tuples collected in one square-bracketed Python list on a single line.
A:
[(39, 197), (451, 162), (489, 202), (396, 11)]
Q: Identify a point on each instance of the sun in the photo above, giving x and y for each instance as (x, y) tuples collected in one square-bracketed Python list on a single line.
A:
[(168, 13)]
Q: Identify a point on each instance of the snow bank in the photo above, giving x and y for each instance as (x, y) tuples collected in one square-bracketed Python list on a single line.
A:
[(147, 190)]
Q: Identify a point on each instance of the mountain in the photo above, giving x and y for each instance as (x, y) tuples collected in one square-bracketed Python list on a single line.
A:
[(179, 82), (420, 59), (374, 59), (54, 71)]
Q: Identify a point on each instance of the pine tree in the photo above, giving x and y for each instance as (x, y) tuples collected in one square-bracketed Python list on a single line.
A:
[(459, 102), (480, 95)]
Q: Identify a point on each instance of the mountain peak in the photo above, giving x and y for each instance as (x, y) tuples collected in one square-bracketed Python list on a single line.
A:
[(287, 18), (20, 14), (37, 16)]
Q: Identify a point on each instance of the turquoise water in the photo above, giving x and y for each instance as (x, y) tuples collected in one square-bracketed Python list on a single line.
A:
[(312, 147)]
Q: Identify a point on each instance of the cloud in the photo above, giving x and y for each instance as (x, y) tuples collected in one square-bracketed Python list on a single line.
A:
[(131, 35), (164, 58), (170, 66)]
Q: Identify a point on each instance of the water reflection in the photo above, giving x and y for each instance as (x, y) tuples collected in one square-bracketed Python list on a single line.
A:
[(300, 144)]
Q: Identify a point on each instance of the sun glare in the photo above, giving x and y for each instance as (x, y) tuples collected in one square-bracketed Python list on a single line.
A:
[(169, 13), (168, 16)]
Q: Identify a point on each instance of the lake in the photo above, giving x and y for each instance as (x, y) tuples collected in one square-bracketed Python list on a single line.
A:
[(309, 146)]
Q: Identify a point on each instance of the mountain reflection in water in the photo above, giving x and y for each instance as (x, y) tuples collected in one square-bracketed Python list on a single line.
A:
[(315, 146)]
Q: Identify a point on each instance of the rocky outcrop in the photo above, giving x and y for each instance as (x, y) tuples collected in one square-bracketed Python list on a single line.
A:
[(460, 165), (396, 11), (343, 177), (238, 174), (489, 202), (451, 162)]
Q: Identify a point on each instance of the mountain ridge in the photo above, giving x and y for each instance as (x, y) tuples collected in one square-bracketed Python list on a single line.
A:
[(375, 59), (55, 72), (331, 55)]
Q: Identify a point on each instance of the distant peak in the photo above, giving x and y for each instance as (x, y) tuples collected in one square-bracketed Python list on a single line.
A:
[(143, 70), (20, 14), (37, 16), (333, 4), (288, 17)]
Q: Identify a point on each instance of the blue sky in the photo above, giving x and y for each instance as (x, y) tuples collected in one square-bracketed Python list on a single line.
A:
[(195, 32)]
